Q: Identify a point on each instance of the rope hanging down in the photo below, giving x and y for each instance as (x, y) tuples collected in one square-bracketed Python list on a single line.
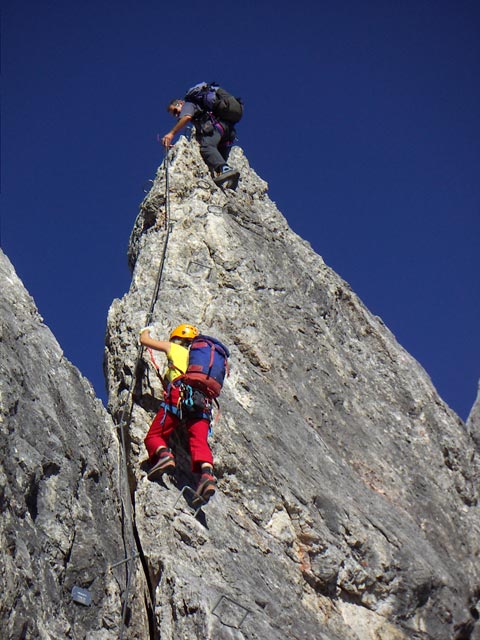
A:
[(130, 554)]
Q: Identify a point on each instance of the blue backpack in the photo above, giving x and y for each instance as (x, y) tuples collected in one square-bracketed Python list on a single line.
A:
[(207, 365), (212, 98)]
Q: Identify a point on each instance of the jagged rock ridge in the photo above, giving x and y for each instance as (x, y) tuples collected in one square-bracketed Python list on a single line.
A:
[(348, 502), (61, 526)]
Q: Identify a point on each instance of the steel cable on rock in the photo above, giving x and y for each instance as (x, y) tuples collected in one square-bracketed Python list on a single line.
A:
[(126, 413)]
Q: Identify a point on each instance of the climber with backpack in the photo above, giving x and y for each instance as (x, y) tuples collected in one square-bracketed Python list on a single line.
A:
[(193, 379), (214, 112)]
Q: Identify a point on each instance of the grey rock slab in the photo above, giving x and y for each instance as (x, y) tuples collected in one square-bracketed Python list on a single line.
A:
[(61, 518)]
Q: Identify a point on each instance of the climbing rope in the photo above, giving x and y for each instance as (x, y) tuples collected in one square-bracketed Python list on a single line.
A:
[(130, 554)]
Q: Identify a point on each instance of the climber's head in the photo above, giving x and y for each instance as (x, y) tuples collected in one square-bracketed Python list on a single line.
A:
[(184, 334), (175, 106)]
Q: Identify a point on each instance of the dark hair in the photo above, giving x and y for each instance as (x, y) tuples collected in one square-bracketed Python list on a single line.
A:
[(173, 103)]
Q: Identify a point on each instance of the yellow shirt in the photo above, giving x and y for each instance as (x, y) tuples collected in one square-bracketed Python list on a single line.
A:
[(177, 362)]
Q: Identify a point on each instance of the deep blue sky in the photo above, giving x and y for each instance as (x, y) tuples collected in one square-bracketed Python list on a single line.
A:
[(362, 116)]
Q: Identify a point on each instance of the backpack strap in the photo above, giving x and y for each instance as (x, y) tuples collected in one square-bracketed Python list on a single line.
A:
[(212, 357), (157, 369)]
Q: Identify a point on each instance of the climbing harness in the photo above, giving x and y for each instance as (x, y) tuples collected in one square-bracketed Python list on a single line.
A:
[(193, 400), (189, 400), (130, 545)]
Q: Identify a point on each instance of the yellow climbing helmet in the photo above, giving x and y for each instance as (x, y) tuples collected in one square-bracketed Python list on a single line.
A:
[(187, 331)]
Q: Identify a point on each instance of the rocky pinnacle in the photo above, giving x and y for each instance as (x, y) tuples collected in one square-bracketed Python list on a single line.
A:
[(347, 489)]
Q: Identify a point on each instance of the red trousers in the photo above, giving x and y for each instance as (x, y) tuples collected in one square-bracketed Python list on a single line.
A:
[(165, 423)]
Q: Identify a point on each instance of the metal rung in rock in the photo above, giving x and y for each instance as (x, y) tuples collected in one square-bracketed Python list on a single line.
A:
[(195, 494), (195, 268), (215, 208), (117, 564), (226, 611)]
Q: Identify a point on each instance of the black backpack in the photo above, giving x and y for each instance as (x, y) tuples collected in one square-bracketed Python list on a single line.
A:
[(214, 99)]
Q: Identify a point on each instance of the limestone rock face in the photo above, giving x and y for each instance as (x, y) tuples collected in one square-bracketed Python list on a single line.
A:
[(347, 503), (60, 525), (473, 421)]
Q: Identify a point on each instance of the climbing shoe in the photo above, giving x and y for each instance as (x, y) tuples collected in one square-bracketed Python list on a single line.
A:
[(164, 464), (232, 183), (226, 174), (207, 485)]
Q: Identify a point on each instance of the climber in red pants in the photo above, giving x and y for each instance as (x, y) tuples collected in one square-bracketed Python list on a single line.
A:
[(168, 418)]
